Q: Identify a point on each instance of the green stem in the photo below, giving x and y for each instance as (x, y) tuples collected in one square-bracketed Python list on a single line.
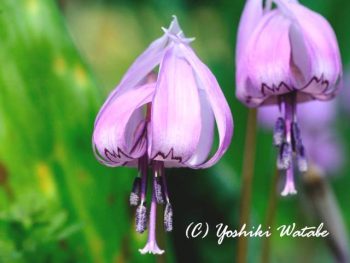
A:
[(247, 178), (270, 218)]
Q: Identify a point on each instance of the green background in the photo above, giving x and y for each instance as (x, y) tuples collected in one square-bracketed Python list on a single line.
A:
[(59, 60)]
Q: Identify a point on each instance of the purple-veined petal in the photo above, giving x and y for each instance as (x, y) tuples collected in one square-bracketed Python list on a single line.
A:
[(264, 69), (176, 117), (120, 132), (291, 48), (246, 92), (268, 55), (315, 51), (218, 103)]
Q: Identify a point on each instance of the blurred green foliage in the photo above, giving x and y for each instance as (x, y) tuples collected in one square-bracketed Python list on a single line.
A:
[(49, 99), (35, 231), (59, 60)]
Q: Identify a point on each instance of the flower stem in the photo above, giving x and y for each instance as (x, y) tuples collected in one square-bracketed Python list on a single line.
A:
[(247, 178), (270, 218)]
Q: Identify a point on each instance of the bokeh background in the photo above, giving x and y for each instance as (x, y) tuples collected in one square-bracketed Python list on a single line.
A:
[(59, 60)]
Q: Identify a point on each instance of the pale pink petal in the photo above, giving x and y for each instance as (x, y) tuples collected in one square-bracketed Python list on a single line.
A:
[(268, 55), (176, 116), (144, 64), (207, 133), (218, 103), (246, 92), (264, 70), (252, 13), (120, 131), (314, 44), (301, 65)]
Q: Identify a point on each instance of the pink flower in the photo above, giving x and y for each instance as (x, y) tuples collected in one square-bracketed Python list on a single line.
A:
[(162, 120), (284, 56)]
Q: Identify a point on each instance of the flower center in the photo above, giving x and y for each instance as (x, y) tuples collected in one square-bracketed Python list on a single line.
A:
[(160, 196)]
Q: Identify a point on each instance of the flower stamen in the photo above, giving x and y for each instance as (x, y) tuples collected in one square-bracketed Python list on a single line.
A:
[(279, 132), (168, 211), (158, 183), (301, 158), (284, 159), (141, 211), (299, 148), (135, 192), (168, 217), (292, 144), (141, 218)]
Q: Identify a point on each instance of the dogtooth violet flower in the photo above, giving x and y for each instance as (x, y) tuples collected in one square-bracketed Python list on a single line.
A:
[(163, 119), (285, 55)]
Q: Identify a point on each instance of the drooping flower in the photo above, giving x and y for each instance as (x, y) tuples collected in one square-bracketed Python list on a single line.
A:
[(163, 119), (320, 139), (284, 56)]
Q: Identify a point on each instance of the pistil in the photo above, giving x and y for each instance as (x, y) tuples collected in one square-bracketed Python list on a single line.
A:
[(287, 138), (289, 104), (152, 246)]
